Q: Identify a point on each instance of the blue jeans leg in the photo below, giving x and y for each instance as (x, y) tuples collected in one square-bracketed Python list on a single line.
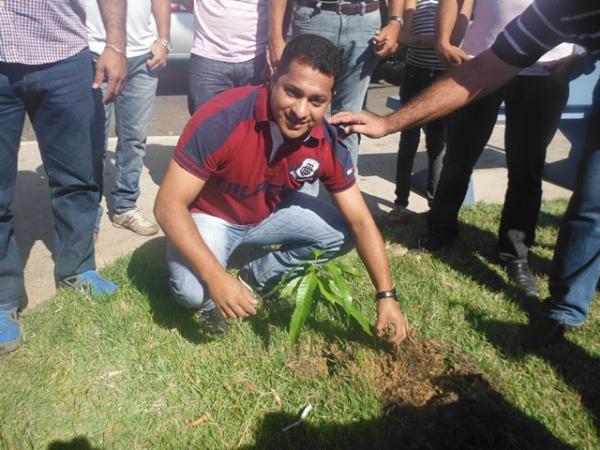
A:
[(352, 34), (12, 115), (61, 115), (209, 77), (133, 111), (221, 238), (576, 265), (300, 224), (59, 102)]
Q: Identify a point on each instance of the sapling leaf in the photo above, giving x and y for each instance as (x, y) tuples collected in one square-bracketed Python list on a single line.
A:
[(337, 279), (354, 312), (288, 290), (304, 301), (349, 308), (352, 271), (327, 295)]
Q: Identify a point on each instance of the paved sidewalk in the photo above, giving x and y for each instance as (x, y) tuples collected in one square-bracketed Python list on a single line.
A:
[(377, 162)]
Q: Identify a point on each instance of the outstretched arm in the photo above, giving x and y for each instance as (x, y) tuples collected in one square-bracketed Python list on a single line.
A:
[(467, 82), (371, 249)]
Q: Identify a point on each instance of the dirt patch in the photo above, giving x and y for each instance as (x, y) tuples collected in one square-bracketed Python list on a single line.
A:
[(408, 374), (434, 396), (320, 360)]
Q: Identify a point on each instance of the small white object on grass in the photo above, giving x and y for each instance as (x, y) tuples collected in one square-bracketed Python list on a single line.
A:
[(305, 411)]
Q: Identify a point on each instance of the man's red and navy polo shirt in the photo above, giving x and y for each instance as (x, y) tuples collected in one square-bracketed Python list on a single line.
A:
[(228, 144)]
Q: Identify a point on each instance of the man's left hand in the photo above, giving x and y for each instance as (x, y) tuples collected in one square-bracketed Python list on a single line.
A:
[(112, 66), (159, 57), (391, 324), (385, 41)]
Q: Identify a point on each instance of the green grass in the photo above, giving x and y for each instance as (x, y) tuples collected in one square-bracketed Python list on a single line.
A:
[(134, 371)]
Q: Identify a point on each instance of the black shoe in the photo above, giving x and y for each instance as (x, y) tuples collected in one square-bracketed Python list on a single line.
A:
[(520, 274), (212, 322), (431, 245), (543, 332)]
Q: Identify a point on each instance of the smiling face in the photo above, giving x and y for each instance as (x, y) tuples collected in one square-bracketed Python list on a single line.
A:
[(299, 99)]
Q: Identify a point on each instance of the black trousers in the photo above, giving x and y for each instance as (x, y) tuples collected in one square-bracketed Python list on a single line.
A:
[(414, 80), (533, 108)]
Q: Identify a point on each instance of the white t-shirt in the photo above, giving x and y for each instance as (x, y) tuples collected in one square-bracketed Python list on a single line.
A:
[(489, 19), (141, 29), (230, 30)]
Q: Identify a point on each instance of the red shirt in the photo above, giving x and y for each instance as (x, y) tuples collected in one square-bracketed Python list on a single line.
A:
[(228, 144)]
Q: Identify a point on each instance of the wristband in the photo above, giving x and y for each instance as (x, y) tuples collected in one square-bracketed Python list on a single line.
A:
[(116, 49), (398, 19), (386, 294)]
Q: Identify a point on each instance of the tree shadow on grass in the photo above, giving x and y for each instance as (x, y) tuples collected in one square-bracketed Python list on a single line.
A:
[(148, 272), (77, 443), (467, 414), (575, 366)]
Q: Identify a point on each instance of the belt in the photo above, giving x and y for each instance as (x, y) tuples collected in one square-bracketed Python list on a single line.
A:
[(348, 9)]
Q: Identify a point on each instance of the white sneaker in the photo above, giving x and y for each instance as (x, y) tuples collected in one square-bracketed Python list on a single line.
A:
[(135, 221)]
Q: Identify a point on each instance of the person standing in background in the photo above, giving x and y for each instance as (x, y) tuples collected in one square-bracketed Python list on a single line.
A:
[(46, 72), (229, 49), (422, 67), (147, 49), (534, 103)]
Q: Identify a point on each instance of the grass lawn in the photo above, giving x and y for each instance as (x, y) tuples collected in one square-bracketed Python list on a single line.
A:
[(134, 371)]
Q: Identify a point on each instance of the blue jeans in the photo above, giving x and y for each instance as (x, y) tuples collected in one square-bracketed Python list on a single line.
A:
[(414, 80), (576, 264), (133, 111), (58, 99), (300, 224), (209, 77), (352, 34)]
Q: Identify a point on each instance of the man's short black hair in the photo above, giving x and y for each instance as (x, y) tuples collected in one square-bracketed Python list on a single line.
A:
[(314, 51)]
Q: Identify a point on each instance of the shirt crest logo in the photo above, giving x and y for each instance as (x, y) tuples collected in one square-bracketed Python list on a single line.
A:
[(306, 171)]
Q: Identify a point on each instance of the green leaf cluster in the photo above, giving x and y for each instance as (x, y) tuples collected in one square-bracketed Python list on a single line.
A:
[(325, 283)]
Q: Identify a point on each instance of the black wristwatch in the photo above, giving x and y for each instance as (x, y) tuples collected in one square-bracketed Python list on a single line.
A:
[(381, 295)]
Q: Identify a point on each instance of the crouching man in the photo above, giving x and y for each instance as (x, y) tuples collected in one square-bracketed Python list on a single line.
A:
[(234, 180)]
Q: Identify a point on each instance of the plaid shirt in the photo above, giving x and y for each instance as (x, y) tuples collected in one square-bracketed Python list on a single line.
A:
[(41, 31)]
